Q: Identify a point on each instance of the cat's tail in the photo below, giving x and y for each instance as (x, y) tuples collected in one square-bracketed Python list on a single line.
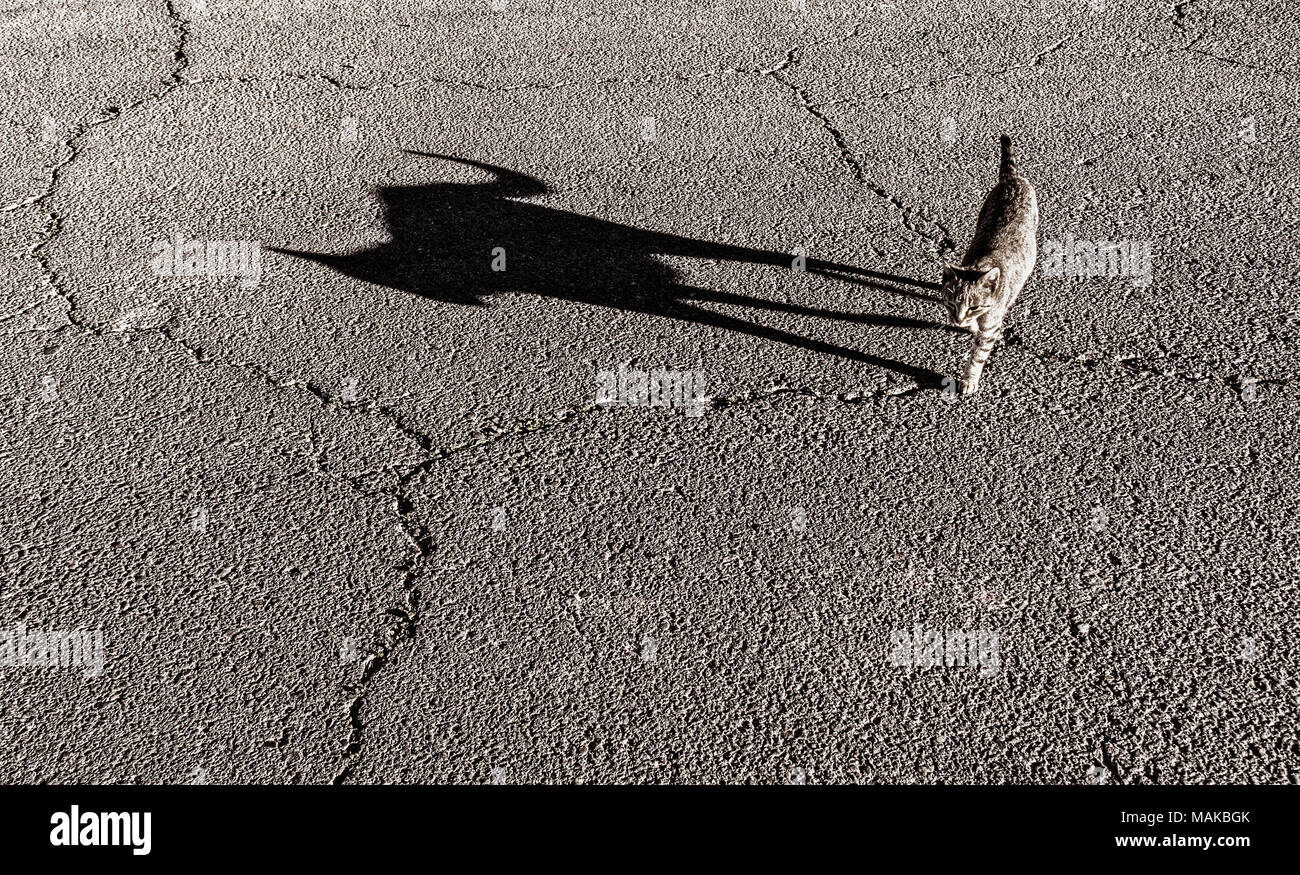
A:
[(1007, 167)]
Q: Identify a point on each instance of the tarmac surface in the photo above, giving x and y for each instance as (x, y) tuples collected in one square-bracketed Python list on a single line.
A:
[(309, 309)]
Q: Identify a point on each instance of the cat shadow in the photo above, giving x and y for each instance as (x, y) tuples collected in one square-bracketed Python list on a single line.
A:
[(445, 237)]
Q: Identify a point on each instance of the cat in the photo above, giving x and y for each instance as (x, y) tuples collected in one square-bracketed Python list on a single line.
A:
[(979, 292)]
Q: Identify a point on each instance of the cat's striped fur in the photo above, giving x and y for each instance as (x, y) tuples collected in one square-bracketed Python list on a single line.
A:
[(979, 291)]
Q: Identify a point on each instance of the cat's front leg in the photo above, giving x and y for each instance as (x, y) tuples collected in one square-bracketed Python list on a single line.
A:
[(985, 340)]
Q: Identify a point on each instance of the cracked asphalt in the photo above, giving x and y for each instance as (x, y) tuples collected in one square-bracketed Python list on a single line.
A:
[(362, 519)]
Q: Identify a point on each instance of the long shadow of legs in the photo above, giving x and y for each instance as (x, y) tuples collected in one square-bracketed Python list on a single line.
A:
[(462, 242)]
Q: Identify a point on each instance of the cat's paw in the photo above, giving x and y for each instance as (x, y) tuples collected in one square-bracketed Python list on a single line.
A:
[(970, 387)]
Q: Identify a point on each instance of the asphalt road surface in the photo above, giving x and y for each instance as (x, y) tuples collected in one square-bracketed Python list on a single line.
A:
[(311, 476)]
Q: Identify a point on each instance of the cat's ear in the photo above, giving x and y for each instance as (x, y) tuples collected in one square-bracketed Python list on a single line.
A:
[(990, 277), (949, 271)]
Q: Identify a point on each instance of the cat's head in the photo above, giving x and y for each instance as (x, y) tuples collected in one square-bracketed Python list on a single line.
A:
[(969, 292)]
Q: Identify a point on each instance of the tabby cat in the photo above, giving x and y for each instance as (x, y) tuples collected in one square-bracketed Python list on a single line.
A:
[(980, 290)]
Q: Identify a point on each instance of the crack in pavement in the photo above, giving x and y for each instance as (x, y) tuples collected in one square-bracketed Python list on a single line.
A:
[(1238, 382), (1235, 63), (1161, 367), (1030, 63), (327, 400), (54, 226), (72, 150), (176, 80), (1181, 19), (1181, 24), (406, 619), (407, 616), (938, 236), (650, 79), (396, 479)]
